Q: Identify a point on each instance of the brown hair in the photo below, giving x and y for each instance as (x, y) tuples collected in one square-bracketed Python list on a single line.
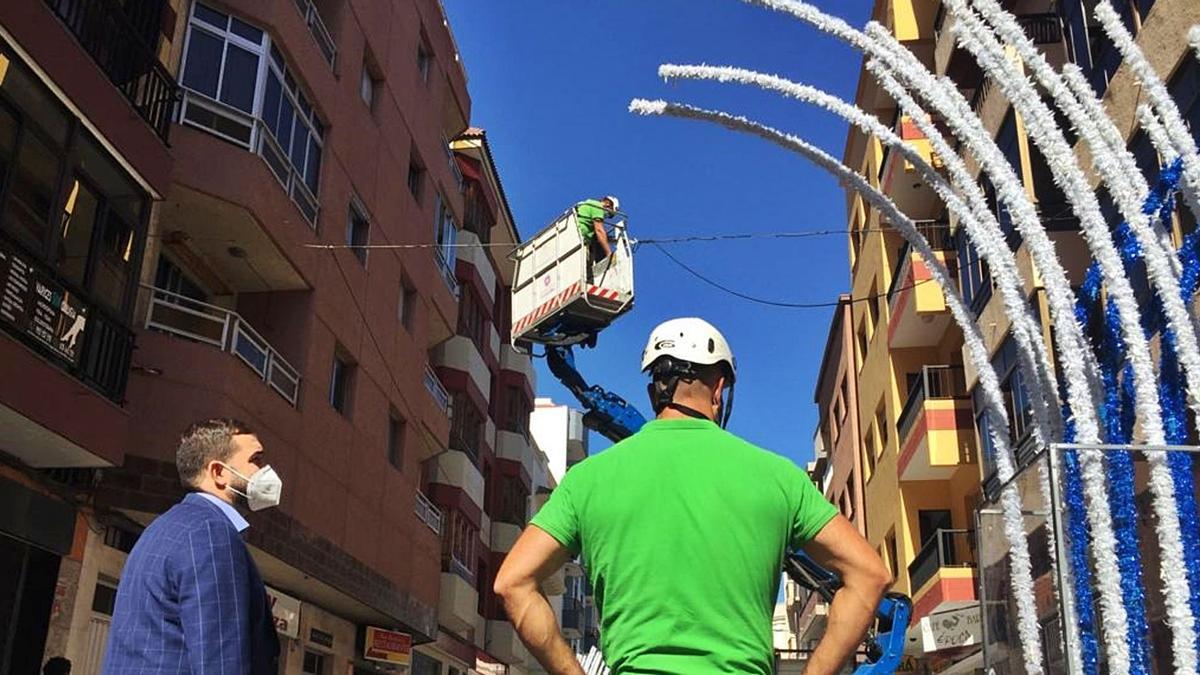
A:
[(205, 442)]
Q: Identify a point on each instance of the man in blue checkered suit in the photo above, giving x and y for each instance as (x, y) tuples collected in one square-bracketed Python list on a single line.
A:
[(191, 600)]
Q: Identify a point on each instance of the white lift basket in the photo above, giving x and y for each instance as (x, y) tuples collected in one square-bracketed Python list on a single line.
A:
[(555, 301)]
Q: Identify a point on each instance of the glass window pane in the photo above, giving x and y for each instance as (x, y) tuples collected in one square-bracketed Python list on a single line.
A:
[(113, 262), (203, 66), (75, 234), (299, 146), (243, 29), (312, 172), (120, 192), (211, 16), (32, 193), (241, 73), (32, 98), (287, 115), (271, 98)]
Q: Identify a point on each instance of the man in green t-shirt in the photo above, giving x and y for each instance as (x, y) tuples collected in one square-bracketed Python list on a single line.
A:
[(590, 214), (683, 528)]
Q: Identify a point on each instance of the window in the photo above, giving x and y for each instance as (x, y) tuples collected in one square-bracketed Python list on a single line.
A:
[(416, 174), (516, 417), (169, 277), (395, 440), (974, 275), (881, 425), (407, 305), (930, 521), (892, 558), (861, 334), (479, 219), (235, 77), (445, 236), (471, 320), (513, 498), (371, 82), (424, 57), (458, 545), (358, 232), (872, 311), (425, 665), (1184, 86), (104, 601), (90, 230), (466, 426), (1016, 399), (316, 663), (868, 451), (340, 382)]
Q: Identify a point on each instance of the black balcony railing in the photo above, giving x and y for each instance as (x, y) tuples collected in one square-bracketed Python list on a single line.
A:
[(1043, 29), (937, 232), (119, 46), (934, 382), (981, 94), (946, 548), (107, 353)]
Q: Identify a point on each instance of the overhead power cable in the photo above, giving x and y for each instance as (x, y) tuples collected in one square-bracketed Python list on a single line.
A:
[(776, 303), (802, 234)]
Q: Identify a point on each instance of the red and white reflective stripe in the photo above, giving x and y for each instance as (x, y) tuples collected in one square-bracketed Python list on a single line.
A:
[(546, 307), (606, 293)]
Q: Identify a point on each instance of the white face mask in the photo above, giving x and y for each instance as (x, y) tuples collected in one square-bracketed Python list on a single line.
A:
[(263, 489)]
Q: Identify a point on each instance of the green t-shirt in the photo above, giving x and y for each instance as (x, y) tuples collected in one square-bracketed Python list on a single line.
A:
[(586, 213), (683, 528)]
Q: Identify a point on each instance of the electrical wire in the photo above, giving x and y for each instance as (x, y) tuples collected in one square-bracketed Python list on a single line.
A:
[(775, 303), (801, 234)]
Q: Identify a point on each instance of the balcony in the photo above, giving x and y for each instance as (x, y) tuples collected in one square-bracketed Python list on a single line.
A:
[(918, 316), (429, 513), (504, 535), (504, 643), (572, 618), (517, 448), (935, 425), (437, 390), (511, 359), (456, 469), (942, 576), (462, 354), (227, 331), (125, 52), (473, 254), (577, 447), (312, 19), (458, 604), (898, 177)]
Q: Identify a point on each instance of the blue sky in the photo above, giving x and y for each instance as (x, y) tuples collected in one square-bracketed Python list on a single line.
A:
[(551, 82)]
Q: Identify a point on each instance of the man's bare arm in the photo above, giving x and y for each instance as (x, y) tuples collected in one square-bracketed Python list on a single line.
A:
[(602, 237), (534, 557), (839, 547)]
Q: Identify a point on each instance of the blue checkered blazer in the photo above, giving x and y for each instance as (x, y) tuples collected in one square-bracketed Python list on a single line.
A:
[(191, 600)]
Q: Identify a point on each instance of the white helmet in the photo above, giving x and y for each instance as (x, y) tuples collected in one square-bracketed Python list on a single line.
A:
[(615, 202), (690, 341)]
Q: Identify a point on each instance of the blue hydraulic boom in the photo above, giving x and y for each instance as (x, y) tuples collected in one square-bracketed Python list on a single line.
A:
[(612, 417)]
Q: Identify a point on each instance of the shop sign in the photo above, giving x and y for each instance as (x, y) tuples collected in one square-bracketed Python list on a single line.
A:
[(285, 610), (387, 646), (34, 303), (947, 630)]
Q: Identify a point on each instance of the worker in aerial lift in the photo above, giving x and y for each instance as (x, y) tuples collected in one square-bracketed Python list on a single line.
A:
[(683, 528), (590, 214)]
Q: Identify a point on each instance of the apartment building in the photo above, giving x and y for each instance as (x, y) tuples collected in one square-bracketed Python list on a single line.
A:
[(84, 156), (926, 455), (562, 437), (209, 181)]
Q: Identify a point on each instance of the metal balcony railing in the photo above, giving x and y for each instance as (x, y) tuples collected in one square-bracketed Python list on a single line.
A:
[(946, 548), (120, 49), (226, 330), (937, 232), (437, 390), (935, 382), (312, 18), (1043, 29), (429, 513)]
